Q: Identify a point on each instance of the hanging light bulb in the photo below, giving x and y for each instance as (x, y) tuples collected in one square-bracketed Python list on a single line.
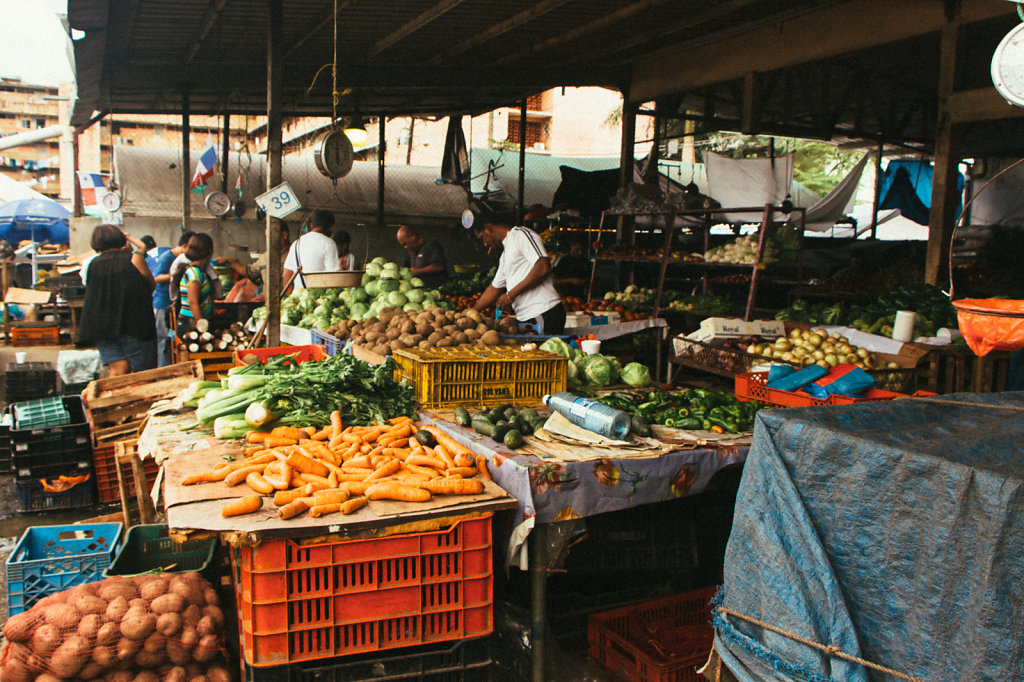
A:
[(355, 131)]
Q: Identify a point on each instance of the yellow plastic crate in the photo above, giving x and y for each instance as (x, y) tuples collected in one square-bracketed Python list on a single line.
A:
[(481, 375)]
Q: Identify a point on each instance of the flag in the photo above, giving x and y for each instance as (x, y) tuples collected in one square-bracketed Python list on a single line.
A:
[(238, 185), (93, 188), (204, 171)]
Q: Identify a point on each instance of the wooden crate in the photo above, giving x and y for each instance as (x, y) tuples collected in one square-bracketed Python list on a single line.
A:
[(956, 369), (116, 400), (215, 363)]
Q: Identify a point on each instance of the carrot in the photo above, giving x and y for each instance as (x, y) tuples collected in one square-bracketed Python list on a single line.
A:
[(392, 490), (324, 509), (265, 458), (396, 442), (243, 505), (354, 487), (426, 461), (297, 481), (454, 486), (453, 446), (395, 421), (279, 441), (279, 475), (293, 509), (315, 480), (289, 432), (329, 497), (481, 465), (250, 450), (461, 472), (259, 484), (439, 451), (403, 431), (239, 475), (336, 421), (413, 479), (308, 430), (322, 435), (306, 464), (465, 459), (353, 505), (256, 436), (283, 497), (357, 463), (429, 472), (335, 442), (387, 469), (206, 477)]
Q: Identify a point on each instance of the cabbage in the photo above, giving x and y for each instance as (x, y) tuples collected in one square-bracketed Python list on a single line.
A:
[(415, 295), (386, 286), (636, 375), (427, 301), (416, 282), (358, 309), (411, 307), (616, 367), (598, 371), (556, 345), (379, 260), (572, 371), (404, 286), (373, 269), (404, 273), (358, 294), (397, 299), (373, 288)]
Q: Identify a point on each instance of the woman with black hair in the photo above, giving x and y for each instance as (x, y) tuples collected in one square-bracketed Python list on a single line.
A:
[(117, 314), (193, 284)]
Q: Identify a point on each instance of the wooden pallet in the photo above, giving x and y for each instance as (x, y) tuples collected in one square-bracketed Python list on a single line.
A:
[(116, 400)]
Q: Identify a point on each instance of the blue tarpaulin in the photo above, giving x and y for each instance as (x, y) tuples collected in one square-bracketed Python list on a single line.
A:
[(907, 185), (892, 530)]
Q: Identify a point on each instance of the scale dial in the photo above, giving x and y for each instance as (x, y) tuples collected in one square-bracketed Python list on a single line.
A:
[(217, 203), (110, 202), (1008, 66), (333, 154)]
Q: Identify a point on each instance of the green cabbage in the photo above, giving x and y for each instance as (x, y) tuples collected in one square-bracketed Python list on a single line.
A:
[(556, 345), (358, 294), (415, 295), (397, 299), (598, 371), (404, 273), (373, 269), (636, 375), (386, 286), (416, 282)]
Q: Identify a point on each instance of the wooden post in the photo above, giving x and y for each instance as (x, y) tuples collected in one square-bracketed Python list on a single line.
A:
[(186, 159), (275, 91), (626, 160), (381, 154), (878, 189), (225, 149), (522, 162)]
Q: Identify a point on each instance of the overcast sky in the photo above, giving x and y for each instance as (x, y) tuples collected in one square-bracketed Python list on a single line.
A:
[(33, 46)]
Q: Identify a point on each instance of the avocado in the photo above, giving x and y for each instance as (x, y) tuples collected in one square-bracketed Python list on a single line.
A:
[(426, 438), (482, 426), (462, 417), (513, 439), (500, 430)]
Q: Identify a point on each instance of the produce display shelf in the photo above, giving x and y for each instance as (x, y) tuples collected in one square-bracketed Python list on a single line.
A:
[(149, 547), (304, 353), (481, 375), (465, 661), (664, 640), (50, 559), (301, 602)]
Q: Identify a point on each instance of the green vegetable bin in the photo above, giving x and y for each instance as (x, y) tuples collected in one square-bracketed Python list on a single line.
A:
[(150, 549)]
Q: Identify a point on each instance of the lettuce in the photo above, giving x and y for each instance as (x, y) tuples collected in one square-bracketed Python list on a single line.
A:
[(556, 345), (636, 375)]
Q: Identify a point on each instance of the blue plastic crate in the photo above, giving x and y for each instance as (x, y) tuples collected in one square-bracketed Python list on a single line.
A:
[(332, 344), (50, 559)]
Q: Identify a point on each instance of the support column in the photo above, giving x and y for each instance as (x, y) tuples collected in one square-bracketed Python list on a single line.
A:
[(522, 162), (626, 161), (381, 154), (225, 148), (878, 189), (186, 159), (272, 283)]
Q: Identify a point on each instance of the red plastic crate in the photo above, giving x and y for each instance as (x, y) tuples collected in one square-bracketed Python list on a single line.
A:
[(308, 602), (664, 640), (105, 472), (306, 353), (753, 386)]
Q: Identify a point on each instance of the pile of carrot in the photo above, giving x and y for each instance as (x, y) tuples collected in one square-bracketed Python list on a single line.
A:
[(338, 468)]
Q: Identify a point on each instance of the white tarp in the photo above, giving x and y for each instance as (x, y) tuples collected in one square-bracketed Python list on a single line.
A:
[(823, 214), (748, 183)]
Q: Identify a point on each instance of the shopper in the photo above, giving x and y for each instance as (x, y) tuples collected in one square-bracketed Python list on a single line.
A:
[(343, 240), (314, 251), (161, 270), (426, 257), (182, 262), (523, 281), (194, 286), (572, 271), (117, 315)]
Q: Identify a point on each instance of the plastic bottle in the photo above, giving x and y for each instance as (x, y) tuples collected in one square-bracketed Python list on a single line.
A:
[(589, 414)]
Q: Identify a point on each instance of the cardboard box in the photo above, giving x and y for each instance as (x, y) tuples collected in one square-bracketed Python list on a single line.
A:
[(588, 320), (724, 327)]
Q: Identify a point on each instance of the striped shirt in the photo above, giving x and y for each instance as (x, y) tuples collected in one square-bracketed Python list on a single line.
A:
[(205, 292), (521, 249)]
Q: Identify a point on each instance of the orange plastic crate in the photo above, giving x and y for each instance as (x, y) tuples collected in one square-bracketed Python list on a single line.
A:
[(105, 473), (753, 386), (35, 336), (308, 602), (306, 353), (664, 640)]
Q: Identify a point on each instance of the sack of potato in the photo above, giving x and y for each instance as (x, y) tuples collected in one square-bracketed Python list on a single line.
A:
[(433, 327), (147, 628)]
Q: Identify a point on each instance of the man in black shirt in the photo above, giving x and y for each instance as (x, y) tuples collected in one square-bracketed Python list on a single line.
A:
[(426, 257), (572, 271)]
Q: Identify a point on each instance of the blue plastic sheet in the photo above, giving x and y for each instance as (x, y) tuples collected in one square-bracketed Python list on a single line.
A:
[(891, 529)]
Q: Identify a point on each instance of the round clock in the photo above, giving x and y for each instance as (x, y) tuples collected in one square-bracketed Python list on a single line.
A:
[(217, 203), (333, 154), (110, 202), (1008, 66)]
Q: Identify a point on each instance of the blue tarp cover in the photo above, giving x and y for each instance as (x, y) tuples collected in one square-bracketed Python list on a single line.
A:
[(893, 530)]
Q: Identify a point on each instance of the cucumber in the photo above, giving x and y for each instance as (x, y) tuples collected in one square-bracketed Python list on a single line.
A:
[(482, 426), (500, 430), (486, 414), (426, 438), (462, 417), (510, 413), (496, 415), (528, 413), (513, 439)]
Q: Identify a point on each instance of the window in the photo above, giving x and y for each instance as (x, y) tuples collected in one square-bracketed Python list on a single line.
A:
[(534, 131), (40, 123), (535, 102), (25, 123)]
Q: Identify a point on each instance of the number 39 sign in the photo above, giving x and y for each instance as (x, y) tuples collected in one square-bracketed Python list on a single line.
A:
[(279, 201)]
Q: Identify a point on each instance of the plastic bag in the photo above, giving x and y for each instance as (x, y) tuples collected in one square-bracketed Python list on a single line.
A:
[(990, 324)]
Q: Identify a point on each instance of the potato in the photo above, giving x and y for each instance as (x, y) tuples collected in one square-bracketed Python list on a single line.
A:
[(194, 670), (127, 648), (46, 639), (139, 603), (443, 343), (491, 338), (211, 597), (471, 335), (370, 336), (392, 334), (178, 654), (176, 674), (482, 328), (397, 344), (15, 668), (198, 678), (91, 604), (90, 625), (207, 626), (49, 677), (118, 676), (91, 671), (168, 603), (189, 638), (381, 349), (153, 589), (407, 326), (424, 329), (435, 336), (424, 345), (116, 608), (18, 627), (465, 323), (216, 614), (137, 624), (218, 673), (145, 675), (168, 624), (105, 655), (109, 633), (207, 649), (150, 659), (71, 656), (459, 338), (189, 590), (62, 616), (192, 615), (47, 602), (155, 642)]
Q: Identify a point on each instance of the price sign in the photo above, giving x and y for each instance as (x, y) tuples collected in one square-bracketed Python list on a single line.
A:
[(279, 201)]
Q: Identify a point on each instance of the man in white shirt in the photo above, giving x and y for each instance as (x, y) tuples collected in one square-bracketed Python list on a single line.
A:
[(523, 281), (314, 251)]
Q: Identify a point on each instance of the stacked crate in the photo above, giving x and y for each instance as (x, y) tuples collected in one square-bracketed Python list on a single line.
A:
[(29, 381)]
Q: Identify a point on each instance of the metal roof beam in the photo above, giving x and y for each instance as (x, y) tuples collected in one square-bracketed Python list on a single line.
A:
[(515, 21), (205, 26), (308, 33), (412, 26)]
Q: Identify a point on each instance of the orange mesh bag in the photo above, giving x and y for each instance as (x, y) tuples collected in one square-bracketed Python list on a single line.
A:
[(146, 628), (990, 324)]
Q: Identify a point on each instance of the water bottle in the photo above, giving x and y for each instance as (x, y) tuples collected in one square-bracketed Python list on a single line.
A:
[(590, 414)]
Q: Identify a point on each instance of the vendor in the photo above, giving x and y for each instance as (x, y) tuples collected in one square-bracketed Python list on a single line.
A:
[(343, 240), (426, 257), (314, 251), (523, 280), (572, 271), (117, 315)]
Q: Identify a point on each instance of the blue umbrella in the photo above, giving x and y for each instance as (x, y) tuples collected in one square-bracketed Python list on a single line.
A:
[(41, 220)]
